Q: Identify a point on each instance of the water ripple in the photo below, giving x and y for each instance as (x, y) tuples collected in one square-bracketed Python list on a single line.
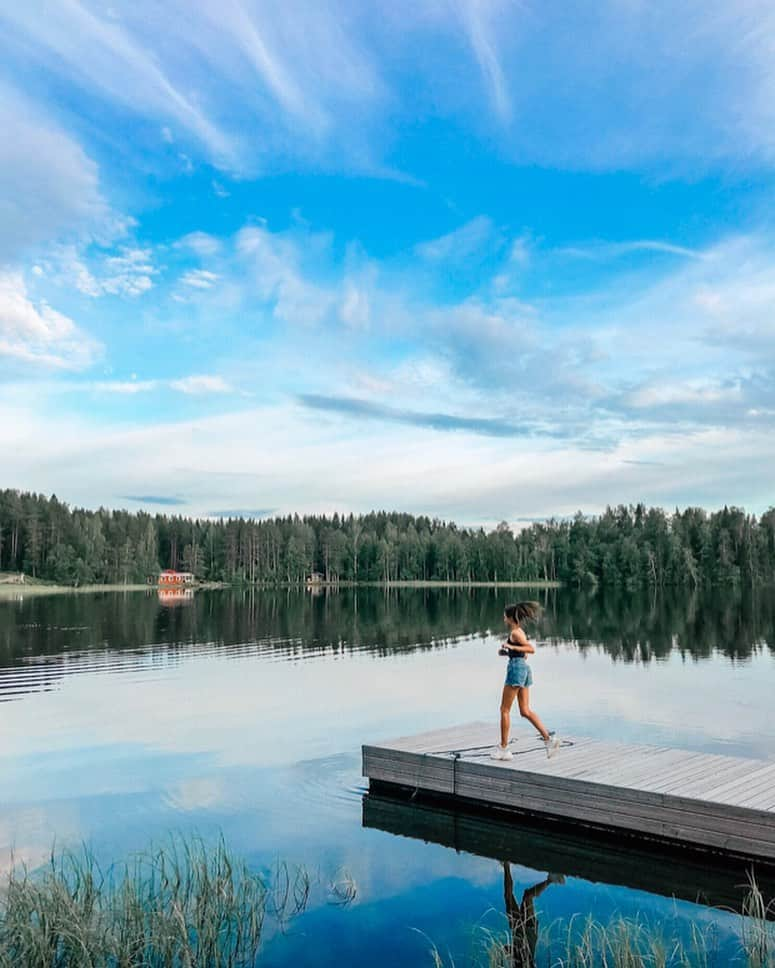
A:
[(42, 673)]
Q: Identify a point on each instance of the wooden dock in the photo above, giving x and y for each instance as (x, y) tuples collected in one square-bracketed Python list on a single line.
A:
[(722, 803)]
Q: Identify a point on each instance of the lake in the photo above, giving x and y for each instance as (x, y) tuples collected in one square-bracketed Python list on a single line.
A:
[(124, 717)]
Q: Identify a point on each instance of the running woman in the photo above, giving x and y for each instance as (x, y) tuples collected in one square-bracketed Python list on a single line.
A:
[(519, 679)]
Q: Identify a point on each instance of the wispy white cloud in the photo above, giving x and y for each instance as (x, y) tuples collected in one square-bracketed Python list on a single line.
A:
[(236, 22), (480, 19), (250, 86), (520, 251), (612, 250), (35, 333), (691, 344), (48, 184), (296, 66), (694, 392), (275, 270), (198, 384), (199, 278), (128, 272), (511, 274), (120, 387), (68, 267), (200, 243), (459, 244), (725, 291), (103, 53), (355, 310), (201, 384)]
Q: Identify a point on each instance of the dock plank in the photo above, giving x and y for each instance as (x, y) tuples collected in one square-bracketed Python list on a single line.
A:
[(646, 771), (693, 766), (737, 788), (703, 785)]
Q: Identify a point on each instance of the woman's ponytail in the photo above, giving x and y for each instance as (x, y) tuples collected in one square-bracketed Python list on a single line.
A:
[(522, 611)]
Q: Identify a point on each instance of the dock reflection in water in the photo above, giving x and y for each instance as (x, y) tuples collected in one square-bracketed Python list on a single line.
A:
[(694, 876)]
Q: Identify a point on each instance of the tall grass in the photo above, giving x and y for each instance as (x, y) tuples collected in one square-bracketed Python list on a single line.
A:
[(184, 905), (580, 942), (757, 934)]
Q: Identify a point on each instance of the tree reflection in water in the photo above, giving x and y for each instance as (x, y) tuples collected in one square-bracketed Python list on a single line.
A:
[(627, 626)]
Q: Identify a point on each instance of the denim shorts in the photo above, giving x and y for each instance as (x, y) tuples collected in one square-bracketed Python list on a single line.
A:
[(519, 673)]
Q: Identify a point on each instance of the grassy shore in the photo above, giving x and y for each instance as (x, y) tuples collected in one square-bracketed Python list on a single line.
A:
[(10, 589), (185, 904), (463, 584), (194, 904), (28, 589)]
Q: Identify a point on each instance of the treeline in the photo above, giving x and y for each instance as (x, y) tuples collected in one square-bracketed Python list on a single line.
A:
[(628, 547)]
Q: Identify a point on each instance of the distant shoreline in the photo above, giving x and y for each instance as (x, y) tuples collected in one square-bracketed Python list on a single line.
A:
[(30, 587), (438, 583)]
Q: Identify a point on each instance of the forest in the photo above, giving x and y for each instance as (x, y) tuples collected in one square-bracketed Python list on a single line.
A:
[(626, 546)]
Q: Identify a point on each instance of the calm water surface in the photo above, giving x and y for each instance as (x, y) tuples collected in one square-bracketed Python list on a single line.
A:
[(123, 717)]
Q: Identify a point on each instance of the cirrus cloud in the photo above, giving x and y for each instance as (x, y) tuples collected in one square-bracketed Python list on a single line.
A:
[(321, 82), (48, 184), (34, 333)]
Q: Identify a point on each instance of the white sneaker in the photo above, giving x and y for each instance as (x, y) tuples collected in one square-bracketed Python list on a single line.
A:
[(501, 753), (552, 744)]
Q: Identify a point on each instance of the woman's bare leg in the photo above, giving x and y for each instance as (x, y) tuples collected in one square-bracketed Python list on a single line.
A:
[(527, 713), (507, 701)]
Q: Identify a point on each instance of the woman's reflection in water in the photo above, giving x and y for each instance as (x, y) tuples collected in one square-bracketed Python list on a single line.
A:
[(523, 925)]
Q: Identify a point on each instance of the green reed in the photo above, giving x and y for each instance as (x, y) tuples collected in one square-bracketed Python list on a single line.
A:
[(584, 942), (184, 905)]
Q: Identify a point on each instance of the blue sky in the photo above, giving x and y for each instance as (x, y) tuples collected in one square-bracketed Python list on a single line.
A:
[(486, 260)]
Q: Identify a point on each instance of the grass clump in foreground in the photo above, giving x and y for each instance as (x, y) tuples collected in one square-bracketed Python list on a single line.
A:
[(581, 942), (187, 904)]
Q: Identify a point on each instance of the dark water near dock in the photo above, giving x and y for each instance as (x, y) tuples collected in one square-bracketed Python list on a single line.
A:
[(123, 717)]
